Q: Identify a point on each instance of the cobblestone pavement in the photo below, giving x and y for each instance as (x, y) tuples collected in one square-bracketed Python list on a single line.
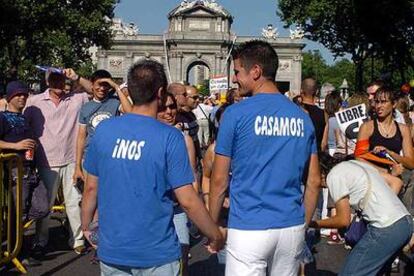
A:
[(63, 261)]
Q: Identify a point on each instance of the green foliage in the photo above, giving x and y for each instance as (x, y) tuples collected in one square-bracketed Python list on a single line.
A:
[(371, 29), (51, 32), (204, 89)]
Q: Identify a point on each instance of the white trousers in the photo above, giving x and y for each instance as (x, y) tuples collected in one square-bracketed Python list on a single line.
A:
[(274, 251), (53, 178)]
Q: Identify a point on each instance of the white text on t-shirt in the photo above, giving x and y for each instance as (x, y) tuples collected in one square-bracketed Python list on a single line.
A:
[(126, 149), (275, 126)]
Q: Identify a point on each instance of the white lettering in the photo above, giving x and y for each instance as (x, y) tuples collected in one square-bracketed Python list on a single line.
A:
[(256, 125), (270, 126), (116, 148), (131, 150), (264, 126), (284, 126), (293, 127), (139, 150)]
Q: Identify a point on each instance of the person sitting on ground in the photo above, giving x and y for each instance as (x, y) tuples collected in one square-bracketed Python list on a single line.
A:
[(359, 186)]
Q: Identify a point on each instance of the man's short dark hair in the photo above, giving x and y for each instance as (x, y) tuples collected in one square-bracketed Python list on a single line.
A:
[(55, 80), (145, 78), (100, 74), (379, 83), (260, 53)]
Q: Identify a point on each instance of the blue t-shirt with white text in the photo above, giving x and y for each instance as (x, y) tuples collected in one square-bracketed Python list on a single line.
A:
[(139, 162), (269, 140)]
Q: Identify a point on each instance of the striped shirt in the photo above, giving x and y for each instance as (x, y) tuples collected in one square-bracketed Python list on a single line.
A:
[(55, 127)]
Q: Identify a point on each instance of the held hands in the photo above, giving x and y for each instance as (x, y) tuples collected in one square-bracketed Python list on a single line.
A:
[(25, 144), (215, 245), (397, 169), (78, 175)]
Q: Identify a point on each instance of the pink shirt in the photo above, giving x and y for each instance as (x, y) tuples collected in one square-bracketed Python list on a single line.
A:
[(55, 126)]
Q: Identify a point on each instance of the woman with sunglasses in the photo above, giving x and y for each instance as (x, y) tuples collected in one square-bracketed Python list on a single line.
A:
[(167, 114), (383, 135)]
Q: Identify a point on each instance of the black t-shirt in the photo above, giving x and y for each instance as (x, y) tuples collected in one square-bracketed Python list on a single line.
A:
[(318, 119), (190, 127), (14, 128)]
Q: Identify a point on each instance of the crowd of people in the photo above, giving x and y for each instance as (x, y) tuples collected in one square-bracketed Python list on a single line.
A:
[(144, 163)]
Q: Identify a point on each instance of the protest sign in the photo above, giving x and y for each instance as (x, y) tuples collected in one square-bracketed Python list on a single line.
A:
[(351, 119), (218, 84)]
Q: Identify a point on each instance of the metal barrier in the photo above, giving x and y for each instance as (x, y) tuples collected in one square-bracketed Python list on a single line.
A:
[(11, 214)]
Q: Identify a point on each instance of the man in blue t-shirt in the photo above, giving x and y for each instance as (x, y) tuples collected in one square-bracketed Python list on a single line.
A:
[(139, 164), (103, 106), (267, 141)]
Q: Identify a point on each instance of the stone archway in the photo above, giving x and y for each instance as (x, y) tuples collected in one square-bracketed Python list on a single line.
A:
[(197, 71)]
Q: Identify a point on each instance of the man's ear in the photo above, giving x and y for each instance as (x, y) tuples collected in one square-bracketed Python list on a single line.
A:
[(256, 71)]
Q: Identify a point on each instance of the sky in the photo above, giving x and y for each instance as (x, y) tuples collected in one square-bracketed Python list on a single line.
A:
[(250, 17)]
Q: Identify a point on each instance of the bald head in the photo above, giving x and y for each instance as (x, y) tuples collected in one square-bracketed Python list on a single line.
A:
[(179, 92), (176, 88), (309, 87)]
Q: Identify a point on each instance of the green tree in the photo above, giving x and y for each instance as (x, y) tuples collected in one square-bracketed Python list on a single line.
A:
[(380, 29), (51, 32)]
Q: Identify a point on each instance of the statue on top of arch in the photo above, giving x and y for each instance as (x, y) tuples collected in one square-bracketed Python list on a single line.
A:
[(211, 4), (125, 31), (297, 33), (270, 32)]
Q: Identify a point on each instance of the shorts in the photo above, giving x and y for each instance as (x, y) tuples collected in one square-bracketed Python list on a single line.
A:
[(180, 222)]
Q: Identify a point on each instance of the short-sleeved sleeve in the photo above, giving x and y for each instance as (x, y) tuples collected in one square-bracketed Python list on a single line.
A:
[(179, 171), (82, 115), (337, 183), (226, 135), (92, 156)]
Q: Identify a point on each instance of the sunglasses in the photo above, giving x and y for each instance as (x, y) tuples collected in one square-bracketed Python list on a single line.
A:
[(165, 107), (194, 97)]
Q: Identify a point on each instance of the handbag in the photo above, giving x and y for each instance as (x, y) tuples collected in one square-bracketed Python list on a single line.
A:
[(358, 226)]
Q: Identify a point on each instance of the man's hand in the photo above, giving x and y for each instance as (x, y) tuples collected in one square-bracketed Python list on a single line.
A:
[(110, 82), (215, 245), (25, 144), (70, 74), (397, 169), (78, 174), (87, 235)]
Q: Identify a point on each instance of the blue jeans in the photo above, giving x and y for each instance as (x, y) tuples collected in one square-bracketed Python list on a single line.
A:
[(170, 269), (376, 247)]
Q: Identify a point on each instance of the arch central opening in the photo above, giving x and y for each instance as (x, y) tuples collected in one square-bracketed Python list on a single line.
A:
[(198, 73)]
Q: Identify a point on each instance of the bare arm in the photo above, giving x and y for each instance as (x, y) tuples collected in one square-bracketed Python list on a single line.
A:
[(313, 186), (80, 149), (192, 156), (85, 83), (218, 185), (340, 220), (324, 143), (207, 169), (192, 205), (24, 144), (89, 200), (407, 160)]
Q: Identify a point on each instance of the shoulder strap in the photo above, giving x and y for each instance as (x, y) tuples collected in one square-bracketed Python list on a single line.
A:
[(205, 115), (363, 203)]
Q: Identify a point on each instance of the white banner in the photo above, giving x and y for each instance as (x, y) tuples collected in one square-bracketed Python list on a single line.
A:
[(351, 119), (218, 84)]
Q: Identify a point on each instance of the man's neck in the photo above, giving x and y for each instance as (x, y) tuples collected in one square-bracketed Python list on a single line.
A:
[(149, 110), (185, 109), (266, 87), (14, 109), (308, 99), (56, 96)]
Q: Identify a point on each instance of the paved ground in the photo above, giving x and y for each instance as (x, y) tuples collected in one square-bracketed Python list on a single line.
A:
[(63, 261)]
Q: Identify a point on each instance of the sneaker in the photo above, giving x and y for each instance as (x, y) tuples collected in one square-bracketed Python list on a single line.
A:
[(80, 250), (334, 238), (347, 247)]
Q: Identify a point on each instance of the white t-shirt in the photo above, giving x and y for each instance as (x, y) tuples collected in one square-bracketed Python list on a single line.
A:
[(199, 113), (383, 207)]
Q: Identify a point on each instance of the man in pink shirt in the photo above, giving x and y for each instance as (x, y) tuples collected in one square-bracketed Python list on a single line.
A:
[(53, 117)]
